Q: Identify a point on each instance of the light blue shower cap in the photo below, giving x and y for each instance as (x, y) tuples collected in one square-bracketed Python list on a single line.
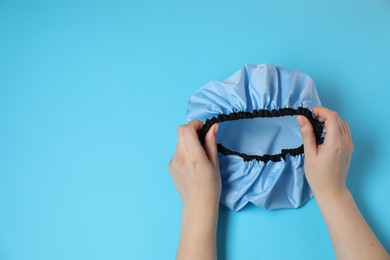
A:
[(259, 142)]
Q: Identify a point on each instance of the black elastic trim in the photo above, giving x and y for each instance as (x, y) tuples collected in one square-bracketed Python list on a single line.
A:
[(318, 127)]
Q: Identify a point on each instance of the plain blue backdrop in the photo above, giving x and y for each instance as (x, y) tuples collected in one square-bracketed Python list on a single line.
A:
[(92, 92)]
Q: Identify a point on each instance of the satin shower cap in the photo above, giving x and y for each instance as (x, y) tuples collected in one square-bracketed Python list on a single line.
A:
[(259, 143)]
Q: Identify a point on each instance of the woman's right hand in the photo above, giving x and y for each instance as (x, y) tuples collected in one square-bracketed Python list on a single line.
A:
[(326, 168), (326, 165)]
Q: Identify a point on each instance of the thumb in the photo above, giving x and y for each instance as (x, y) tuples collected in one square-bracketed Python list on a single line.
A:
[(308, 137), (211, 144)]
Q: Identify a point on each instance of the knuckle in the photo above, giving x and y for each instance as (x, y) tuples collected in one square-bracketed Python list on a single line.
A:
[(176, 162), (334, 114), (188, 131), (170, 165), (185, 129), (338, 148), (180, 128), (181, 160), (172, 162), (195, 163)]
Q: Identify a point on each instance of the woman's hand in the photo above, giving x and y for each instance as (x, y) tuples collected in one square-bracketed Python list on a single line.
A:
[(326, 168), (194, 169), (326, 165), (195, 172)]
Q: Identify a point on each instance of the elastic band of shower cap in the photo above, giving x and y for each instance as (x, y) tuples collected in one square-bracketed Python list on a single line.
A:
[(318, 127)]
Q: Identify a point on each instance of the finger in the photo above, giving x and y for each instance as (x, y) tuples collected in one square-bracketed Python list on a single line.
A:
[(322, 112), (180, 138), (343, 133), (347, 132), (332, 121), (308, 137), (343, 129), (349, 135), (195, 124), (211, 144), (190, 136)]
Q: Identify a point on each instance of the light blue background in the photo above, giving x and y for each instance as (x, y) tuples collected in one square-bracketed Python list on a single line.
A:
[(92, 92)]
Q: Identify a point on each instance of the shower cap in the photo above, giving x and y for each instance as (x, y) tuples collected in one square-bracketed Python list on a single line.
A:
[(259, 143)]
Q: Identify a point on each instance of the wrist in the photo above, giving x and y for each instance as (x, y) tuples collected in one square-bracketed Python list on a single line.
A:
[(200, 220), (331, 196), (199, 209), (203, 203)]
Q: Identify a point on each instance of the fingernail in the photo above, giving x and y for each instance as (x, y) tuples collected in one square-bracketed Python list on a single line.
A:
[(216, 129), (300, 120)]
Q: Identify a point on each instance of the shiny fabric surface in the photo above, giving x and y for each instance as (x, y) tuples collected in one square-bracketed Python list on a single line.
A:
[(271, 185)]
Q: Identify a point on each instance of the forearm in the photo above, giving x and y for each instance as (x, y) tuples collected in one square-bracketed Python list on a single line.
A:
[(352, 238), (198, 233)]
